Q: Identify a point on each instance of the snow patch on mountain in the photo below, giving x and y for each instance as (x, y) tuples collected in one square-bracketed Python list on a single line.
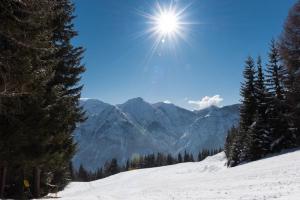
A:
[(138, 127)]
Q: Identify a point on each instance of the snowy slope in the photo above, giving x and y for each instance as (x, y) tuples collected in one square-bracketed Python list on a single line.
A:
[(276, 177)]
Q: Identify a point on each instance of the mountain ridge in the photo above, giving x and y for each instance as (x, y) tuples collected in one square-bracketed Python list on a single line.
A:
[(137, 127)]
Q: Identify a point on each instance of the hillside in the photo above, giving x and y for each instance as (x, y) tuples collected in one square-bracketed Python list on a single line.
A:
[(138, 127), (276, 177)]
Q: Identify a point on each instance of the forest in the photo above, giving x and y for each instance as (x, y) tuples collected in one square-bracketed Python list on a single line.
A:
[(270, 110)]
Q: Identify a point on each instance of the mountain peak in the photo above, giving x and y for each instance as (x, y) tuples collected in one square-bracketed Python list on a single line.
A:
[(136, 99), (93, 106), (135, 102)]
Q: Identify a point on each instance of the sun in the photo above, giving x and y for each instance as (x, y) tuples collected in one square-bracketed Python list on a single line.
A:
[(167, 23)]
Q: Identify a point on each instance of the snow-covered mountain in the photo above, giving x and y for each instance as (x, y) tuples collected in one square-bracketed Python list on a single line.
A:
[(138, 127), (276, 177)]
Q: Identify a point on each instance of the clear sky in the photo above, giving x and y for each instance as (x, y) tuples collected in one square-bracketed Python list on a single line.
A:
[(208, 61)]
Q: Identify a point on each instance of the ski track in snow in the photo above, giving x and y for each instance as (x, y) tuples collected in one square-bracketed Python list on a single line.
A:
[(273, 178)]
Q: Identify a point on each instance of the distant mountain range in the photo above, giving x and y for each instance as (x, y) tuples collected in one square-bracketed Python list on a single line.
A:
[(138, 127)]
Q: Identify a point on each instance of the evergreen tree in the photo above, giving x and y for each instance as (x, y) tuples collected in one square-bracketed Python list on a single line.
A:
[(186, 157), (25, 70), (289, 43), (259, 136), (232, 133), (200, 156), (179, 158), (83, 174), (99, 173), (64, 91), (191, 158), (240, 144), (281, 137), (113, 167), (39, 94), (170, 159), (127, 166)]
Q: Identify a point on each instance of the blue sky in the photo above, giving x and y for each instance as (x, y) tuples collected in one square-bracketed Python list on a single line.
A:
[(208, 62)]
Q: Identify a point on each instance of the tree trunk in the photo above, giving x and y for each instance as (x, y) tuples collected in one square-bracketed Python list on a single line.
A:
[(3, 180), (37, 182)]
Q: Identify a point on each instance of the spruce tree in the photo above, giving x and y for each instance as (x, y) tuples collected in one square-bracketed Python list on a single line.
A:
[(200, 156), (259, 133), (280, 135), (186, 157), (289, 43), (64, 91), (25, 70), (83, 174), (39, 94), (179, 158), (240, 146), (228, 143)]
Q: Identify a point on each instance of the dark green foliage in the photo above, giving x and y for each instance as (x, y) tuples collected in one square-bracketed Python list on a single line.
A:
[(268, 117), (191, 158), (186, 157), (38, 113), (264, 126), (280, 135), (83, 174), (240, 144), (231, 134), (248, 107), (170, 160), (259, 132), (179, 158), (113, 167), (288, 49)]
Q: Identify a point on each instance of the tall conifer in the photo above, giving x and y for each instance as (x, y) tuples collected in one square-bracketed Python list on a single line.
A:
[(259, 143), (288, 49), (277, 105)]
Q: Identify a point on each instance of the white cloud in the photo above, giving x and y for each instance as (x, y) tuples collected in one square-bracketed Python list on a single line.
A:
[(167, 102), (207, 101)]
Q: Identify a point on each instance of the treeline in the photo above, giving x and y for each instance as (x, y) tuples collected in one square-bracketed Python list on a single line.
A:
[(270, 110), (39, 96), (140, 162)]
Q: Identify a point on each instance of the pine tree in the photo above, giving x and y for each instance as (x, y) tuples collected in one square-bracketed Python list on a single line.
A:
[(240, 145), (186, 157), (83, 174), (289, 43), (25, 70), (281, 137), (170, 159), (259, 144), (99, 174), (64, 91), (200, 156), (113, 167), (191, 158), (232, 133), (179, 158), (38, 112)]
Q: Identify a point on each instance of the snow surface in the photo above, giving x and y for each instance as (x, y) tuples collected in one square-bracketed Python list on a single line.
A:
[(276, 177)]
